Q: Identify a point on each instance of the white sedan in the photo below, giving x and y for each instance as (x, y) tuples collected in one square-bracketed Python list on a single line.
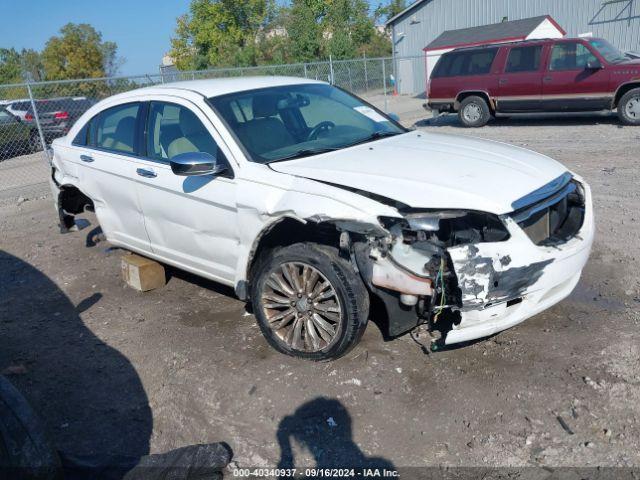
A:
[(324, 212)]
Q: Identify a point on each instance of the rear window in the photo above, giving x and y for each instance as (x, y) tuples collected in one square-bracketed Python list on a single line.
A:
[(473, 62), (21, 106), (50, 106), (524, 59)]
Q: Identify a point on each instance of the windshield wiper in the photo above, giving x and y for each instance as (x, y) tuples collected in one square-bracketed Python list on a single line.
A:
[(305, 152), (372, 137)]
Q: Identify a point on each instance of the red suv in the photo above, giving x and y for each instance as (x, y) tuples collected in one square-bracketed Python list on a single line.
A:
[(562, 75)]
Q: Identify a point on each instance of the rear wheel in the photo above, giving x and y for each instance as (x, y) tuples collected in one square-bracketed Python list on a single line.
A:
[(309, 302), (474, 112), (34, 142), (629, 107)]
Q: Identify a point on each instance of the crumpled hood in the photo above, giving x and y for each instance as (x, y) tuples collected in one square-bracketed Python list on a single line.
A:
[(433, 170)]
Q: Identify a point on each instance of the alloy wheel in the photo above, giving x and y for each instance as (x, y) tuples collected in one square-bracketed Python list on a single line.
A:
[(301, 307)]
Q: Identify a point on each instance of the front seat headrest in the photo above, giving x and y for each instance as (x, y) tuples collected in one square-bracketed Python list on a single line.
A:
[(265, 106)]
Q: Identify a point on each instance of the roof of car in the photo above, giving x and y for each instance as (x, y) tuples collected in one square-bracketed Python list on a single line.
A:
[(519, 42), (221, 86)]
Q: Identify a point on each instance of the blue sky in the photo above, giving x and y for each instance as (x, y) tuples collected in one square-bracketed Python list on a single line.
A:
[(141, 28)]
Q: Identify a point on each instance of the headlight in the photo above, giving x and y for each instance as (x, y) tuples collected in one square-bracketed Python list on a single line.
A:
[(448, 227)]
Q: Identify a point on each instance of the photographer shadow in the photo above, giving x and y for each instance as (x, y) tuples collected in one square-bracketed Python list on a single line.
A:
[(323, 426)]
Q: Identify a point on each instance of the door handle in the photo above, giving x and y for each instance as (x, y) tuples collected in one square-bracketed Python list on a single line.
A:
[(146, 173), (547, 79), (503, 81), (86, 158)]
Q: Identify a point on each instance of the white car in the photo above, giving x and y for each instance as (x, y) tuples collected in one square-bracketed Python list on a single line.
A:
[(19, 108), (323, 211)]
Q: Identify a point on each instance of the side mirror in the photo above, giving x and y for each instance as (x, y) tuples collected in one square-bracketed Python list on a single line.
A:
[(594, 65), (195, 164)]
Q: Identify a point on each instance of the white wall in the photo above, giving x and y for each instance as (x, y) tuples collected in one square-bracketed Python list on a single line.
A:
[(545, 30)]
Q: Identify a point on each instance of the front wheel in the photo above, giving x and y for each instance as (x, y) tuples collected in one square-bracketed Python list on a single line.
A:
[(309, 302), (629, 107), (474, 112)]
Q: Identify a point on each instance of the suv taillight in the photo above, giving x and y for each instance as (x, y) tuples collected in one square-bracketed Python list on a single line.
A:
[(28, 117), (61, 115)]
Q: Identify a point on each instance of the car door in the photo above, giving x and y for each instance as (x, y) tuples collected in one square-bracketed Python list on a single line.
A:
[(191, 221), (105, 155), (575, 79), (520, 83)]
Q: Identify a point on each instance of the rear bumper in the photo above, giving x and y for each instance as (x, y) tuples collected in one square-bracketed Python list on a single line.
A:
[(505, 283), (443, 105)]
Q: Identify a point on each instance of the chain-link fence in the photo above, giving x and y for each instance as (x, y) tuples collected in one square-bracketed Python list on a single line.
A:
[(33, 115)]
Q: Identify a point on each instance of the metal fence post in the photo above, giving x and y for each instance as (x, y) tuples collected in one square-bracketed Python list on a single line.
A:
[(366, 78), (36, 118), (331, 70), (305, 71), (384, 86)]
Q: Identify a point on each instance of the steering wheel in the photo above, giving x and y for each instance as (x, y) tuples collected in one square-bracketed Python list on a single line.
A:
[(321, 127)]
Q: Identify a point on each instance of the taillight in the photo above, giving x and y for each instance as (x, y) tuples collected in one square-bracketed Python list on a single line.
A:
[(61, 115), (28, 117)]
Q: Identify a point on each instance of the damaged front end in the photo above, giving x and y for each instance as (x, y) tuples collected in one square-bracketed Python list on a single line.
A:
[(468, 274)]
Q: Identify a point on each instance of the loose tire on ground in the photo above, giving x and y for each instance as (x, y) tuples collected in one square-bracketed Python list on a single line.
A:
[(297, 312), (474, 112), (629, 107)]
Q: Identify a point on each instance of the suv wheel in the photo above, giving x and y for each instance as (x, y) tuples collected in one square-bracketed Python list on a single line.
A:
[(474, 112), (309, 302), (629, 107)]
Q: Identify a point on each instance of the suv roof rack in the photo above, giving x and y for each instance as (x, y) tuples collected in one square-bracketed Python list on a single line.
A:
[(514, 42)]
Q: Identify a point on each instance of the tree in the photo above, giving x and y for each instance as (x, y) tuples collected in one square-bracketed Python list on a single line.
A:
[(217, 33), (79, 52), (10, 69), (305, 30), (221, 33), (391, 9), (32, 66), (349, 27)]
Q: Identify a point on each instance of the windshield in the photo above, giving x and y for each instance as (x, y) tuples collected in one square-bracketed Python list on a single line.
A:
[(610, 53), (293, 121)]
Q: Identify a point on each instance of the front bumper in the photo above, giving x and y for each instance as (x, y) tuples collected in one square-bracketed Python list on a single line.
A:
[(505, 283)]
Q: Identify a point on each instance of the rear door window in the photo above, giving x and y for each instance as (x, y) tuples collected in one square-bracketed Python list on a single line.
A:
[(524, 59), (480, 62), (115, 128)]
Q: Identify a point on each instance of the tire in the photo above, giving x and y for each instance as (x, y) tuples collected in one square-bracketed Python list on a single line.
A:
[(25, 449), (629, 107), (34, 142), (307, 329), (474, 112)]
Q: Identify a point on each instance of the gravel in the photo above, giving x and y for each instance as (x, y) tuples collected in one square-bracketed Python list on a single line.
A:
[(114, 371)]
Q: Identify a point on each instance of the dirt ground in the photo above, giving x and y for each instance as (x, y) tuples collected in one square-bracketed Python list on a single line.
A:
[(114, 371)]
